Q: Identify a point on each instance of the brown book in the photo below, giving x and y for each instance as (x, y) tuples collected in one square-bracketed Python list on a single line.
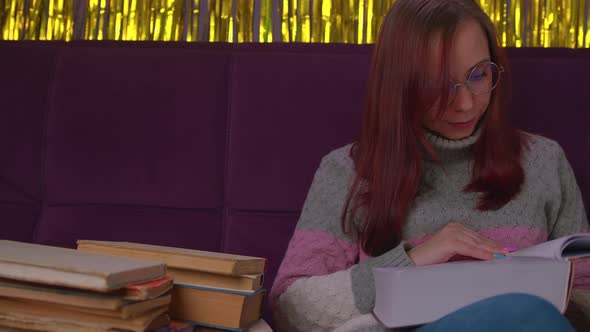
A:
[(84, 299), (158, 325), (72, 268), (148, 290), (61, 295), (246, 282), (189, 259), (129, 310), (44, 317), (229, 309)]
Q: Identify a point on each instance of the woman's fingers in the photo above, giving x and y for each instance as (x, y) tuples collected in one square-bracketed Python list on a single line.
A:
[(481, 240), (454, 239), (469, 248)]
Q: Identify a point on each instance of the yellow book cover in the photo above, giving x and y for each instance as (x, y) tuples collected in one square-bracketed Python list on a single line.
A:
[(204, 305)]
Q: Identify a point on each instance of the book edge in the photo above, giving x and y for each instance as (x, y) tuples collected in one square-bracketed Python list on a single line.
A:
[(168, 249)]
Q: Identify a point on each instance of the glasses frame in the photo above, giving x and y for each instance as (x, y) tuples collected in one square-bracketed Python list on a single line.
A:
[(466, 84)]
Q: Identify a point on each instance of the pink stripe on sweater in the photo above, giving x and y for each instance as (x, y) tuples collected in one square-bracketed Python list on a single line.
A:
[(312, 253)]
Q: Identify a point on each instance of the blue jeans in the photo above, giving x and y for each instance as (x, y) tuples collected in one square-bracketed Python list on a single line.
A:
[(511, 312)]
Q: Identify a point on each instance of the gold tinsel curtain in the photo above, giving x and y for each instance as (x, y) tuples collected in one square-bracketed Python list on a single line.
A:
[(521, 23)]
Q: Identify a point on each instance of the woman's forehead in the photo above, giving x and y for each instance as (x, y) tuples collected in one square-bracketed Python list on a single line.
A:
[(468, 47)]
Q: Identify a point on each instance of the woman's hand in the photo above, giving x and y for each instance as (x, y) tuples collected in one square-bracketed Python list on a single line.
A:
[(454, 239)]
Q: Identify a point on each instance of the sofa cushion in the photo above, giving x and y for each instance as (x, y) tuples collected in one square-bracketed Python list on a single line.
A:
[(18, 221), (26, 71), (547, 100), (138, 126), (288, 109), (186, 228)]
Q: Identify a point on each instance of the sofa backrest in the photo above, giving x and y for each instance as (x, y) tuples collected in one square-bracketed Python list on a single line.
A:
[(551, 97), (209, 146)]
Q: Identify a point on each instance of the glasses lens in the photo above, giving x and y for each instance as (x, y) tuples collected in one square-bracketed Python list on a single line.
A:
[(484, 78)]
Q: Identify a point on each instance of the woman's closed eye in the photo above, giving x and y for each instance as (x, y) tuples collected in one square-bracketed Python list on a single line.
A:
[(478, 76)]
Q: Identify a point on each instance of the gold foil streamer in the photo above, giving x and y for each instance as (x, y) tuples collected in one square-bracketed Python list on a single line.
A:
[(265, 26), (297, 20), (12, 19), (161, 20), (289, 28), (132, 20), (192, 20), (170, 19), (520, 23), (349, 22), (36, 19), (497, 10), (329, 20), (221, 21), (376, 11), (361, 17), (304, 21), (95, 20), (244, 17)]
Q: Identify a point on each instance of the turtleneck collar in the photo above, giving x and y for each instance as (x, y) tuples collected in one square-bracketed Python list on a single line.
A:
[(449, 150)]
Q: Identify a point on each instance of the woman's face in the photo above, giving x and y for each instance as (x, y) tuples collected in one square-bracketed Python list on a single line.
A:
[(461, 116)]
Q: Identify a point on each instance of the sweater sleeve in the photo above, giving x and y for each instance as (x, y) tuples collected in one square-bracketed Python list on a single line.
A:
[(568, 216), (321, 285)]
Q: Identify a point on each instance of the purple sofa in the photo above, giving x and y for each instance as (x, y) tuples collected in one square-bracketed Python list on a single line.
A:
[(209, 146)]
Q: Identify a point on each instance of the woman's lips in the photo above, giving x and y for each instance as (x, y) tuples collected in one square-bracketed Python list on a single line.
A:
[(461, 125)]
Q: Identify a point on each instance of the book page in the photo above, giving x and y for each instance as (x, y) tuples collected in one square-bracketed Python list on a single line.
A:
[(549, 249), (575, 245)]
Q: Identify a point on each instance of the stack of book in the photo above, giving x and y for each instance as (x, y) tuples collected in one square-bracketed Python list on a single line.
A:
[(44, 288), (214, 290)]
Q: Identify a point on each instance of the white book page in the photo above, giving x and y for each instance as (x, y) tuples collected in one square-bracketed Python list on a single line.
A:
[(576, 245), (549, 249)]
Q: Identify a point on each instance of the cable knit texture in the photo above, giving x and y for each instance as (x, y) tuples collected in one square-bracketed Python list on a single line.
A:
[(325, 281)]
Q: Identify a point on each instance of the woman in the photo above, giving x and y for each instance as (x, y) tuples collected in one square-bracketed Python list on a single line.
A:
[(437, 175)]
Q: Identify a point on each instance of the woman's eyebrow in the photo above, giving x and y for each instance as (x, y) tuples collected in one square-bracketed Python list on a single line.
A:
[(468, 71), (477, 64)]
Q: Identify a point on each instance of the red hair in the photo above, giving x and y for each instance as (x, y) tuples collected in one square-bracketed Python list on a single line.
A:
[(389, 154)]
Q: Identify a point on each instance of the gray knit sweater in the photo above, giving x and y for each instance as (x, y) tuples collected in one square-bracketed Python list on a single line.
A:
[(325, 280)]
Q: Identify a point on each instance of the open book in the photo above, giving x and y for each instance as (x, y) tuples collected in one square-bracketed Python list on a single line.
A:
[(408, 296)]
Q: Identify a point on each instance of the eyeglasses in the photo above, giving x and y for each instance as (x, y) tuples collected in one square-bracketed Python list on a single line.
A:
[(482, 79)]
